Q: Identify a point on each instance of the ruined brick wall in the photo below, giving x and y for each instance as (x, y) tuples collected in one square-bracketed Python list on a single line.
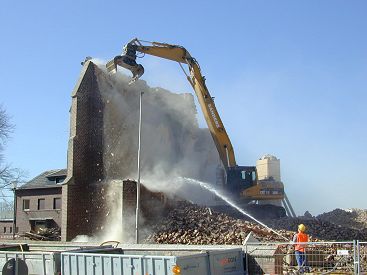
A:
[(128, 209), (81, 194), (151, 206)]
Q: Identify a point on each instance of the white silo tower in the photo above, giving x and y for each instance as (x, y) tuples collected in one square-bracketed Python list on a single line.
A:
[(268, 167)]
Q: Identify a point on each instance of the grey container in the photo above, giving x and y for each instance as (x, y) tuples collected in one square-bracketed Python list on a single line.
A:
[(24, 263), (216, 262)]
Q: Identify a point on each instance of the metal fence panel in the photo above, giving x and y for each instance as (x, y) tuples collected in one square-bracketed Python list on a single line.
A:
[(321, 258), (362, 253), (42, 263)]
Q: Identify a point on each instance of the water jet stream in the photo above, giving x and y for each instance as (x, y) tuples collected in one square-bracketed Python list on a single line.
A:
[(231, 203)]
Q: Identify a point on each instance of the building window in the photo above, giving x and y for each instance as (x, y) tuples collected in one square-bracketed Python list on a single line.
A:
[(41, 204), (253, 175), (57, 203), (60, 180), (11, 229), (25, 204), (4, 229)]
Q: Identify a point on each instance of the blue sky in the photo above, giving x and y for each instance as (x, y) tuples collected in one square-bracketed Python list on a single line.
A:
[(289, 78)]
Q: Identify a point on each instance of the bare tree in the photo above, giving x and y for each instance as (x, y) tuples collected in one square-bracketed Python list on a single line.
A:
[(6, 128), (7, 173)]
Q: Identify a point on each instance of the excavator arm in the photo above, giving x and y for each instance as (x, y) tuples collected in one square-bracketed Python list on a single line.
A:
[(196, 79)]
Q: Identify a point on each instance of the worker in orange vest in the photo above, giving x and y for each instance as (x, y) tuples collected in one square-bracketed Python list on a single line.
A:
[(300, 238)]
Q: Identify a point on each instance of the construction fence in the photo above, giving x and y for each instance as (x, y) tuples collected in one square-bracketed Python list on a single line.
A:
[(320, 258), (362, 253)]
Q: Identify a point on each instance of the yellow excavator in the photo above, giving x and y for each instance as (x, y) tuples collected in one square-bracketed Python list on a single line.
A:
[(240, 181)]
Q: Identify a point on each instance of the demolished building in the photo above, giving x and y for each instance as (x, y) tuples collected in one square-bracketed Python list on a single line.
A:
[(103, 146)]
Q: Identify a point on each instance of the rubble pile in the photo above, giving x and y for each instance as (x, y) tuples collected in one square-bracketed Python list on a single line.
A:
[(44, 234), (192, 224), (321, 229), (354, 218), (53, 233)]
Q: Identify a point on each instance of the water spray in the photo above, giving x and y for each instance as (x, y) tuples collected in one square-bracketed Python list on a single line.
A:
[(231, 203)]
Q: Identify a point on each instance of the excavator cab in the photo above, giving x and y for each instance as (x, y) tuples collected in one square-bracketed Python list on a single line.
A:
[(241, 176), (242, 180)]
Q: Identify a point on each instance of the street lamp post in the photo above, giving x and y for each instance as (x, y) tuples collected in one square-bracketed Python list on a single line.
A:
[(14, 209), (138, 182)]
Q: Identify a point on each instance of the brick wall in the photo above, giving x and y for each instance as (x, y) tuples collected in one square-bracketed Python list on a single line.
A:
[(6, 229), (128, 210), (82, 199), (151, 206), (24, 216)]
